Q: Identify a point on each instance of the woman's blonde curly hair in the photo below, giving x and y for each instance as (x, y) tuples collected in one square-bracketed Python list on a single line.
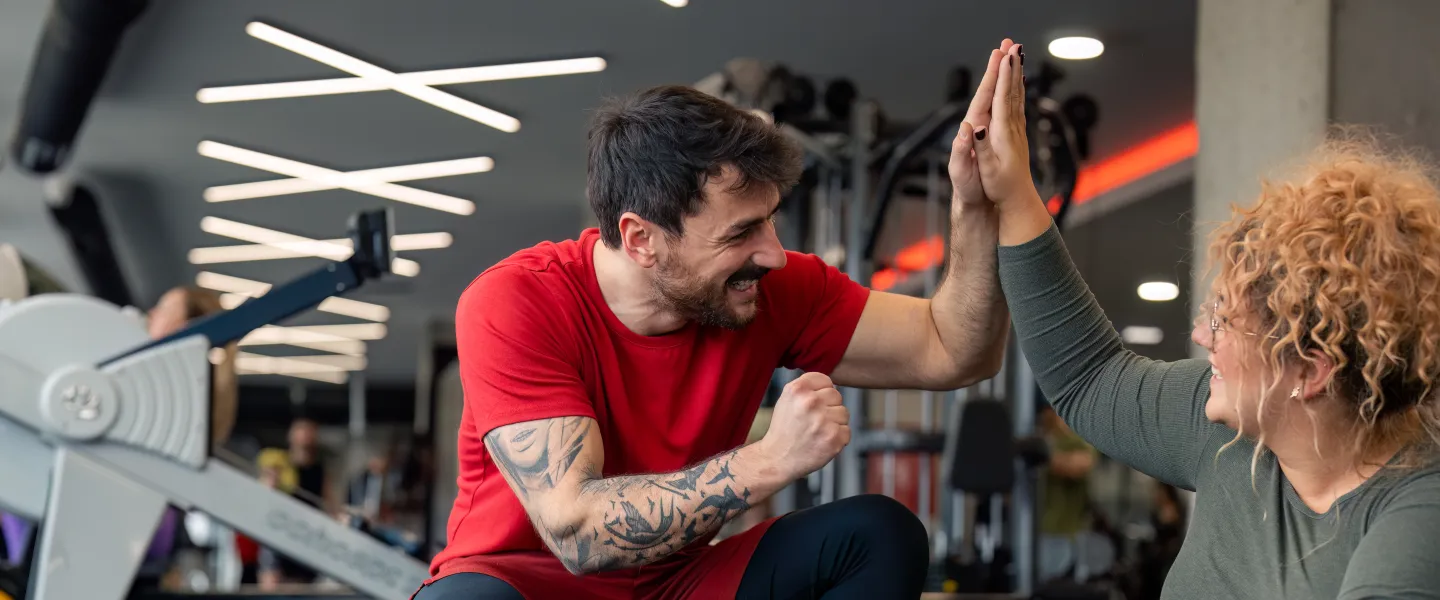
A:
[(1344, 260)]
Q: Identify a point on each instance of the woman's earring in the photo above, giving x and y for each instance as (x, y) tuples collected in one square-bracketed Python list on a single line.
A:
[(1295, 393)]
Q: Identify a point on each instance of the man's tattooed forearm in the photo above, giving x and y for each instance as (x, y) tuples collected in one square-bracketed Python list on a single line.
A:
[(647, 525), (523, 451)]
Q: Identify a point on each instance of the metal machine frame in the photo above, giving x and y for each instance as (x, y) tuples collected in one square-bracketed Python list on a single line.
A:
[(101, 428)]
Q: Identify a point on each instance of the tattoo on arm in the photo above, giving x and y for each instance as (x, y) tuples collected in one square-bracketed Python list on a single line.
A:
[(524, 452), (645, 517), (679, 508)]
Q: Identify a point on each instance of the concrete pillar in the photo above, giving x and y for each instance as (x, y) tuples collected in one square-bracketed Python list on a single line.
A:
[(1380, 69), (1262, 97), (1272, 75), (1262, 92)]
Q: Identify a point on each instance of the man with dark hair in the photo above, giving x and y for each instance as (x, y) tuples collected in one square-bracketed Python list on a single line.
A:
[(611, 380)]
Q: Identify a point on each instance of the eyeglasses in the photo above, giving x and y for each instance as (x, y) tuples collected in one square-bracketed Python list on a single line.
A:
[(1215, 325)]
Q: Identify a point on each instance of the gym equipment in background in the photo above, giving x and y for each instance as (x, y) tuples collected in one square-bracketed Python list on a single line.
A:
[(20, 278), (76, 210), (102, 428), (14, 284), (869, 181), (75, 51)]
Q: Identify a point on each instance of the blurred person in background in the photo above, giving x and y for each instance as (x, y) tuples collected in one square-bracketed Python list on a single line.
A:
[(1167, 518), (1066, 509), (300, 470), (176, 309), (309, 460)]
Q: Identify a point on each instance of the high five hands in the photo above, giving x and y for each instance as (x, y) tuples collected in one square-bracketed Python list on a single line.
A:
[(990, 157)]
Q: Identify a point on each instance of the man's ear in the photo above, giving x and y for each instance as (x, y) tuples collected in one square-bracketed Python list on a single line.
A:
[(639, 239)]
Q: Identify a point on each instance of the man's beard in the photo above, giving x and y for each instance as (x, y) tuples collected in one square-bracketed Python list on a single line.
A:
[(705, 302)]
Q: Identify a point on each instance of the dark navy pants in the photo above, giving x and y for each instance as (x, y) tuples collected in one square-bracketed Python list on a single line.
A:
[(861, 548)]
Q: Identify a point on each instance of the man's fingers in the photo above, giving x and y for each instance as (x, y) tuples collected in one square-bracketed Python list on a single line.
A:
[(830, 397), (980, 104), (964, 142), (963, 174), (812, 381)]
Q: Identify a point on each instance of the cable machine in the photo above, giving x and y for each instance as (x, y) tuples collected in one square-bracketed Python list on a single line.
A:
[(860, 168)]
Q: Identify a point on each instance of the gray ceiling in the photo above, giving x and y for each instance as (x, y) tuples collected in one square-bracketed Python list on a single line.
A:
[(138, 147)]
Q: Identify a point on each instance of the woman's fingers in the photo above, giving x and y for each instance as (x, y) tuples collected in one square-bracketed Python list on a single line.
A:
[(1017, 82), (1000, 98)]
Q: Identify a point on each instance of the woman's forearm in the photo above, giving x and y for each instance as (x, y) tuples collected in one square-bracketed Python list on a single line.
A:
[(1147, 414), (1023, 219)]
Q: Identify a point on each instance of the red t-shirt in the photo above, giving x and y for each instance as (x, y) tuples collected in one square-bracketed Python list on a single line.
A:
[(536, 340)]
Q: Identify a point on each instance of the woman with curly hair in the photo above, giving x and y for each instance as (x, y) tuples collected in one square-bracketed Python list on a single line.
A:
[(1309, 434)]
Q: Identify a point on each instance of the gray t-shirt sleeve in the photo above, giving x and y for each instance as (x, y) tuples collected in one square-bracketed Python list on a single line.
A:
[(1395, 559), (1144, 413)]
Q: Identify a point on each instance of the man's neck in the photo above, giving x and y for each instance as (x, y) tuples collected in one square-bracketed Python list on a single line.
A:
[(626, 288), (1321, 478)]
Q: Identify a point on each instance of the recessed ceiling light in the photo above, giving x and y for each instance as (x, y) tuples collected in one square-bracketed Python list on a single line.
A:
[(1158, 291), (351, 85), (280, 187), (676, 3), (329, 178), (383, 77), (294, 243), (1076, 48), (1142, 336)]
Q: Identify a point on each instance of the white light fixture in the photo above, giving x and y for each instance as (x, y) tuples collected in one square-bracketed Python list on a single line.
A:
[(238, 290), (383, 77), (330, 179), (355, 331), (251, 252), (232, 301), (1158, 291), (280, 187), (331, 377), (1076, 48), (294, 243), (351, 85), (350, 348), (676, 3), (299, 364), (275, 335), (1142, 336), (234, 285)]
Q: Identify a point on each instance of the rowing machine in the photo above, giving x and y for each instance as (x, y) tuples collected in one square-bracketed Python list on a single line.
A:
[(101, 428)]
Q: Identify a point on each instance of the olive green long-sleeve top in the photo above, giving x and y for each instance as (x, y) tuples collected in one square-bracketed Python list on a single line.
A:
[(1381, 540)]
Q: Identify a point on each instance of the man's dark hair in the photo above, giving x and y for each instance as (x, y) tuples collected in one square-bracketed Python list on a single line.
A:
[(650, 154)]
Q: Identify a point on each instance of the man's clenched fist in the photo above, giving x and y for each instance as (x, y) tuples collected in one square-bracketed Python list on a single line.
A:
[(809, 426)]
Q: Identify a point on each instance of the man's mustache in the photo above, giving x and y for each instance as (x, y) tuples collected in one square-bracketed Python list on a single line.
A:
[(748, 273)]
